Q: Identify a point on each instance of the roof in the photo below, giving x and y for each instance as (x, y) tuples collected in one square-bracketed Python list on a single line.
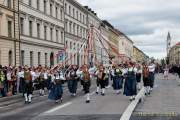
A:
[(178, 43)]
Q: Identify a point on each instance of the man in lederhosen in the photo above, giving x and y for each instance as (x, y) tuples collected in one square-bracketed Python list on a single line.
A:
[(101, 79), (28, 85)]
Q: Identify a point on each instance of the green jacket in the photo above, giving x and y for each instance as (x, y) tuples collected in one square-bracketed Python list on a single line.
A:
[(2, 76)]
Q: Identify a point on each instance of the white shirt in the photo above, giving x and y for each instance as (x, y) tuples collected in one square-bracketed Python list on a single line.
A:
[(45, 75), (33, 75), (151, 68), (21, 74), (9, 76)]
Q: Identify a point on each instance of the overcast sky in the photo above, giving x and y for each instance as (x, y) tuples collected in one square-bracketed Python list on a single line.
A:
[(146, 22)]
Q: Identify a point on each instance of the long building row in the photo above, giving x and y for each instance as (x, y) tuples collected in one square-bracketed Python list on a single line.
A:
[(34, 32)]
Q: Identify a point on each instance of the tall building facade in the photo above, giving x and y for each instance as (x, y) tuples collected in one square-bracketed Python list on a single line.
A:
[(174, 54), (42, 31), (9, 32), (97, 52), (35, 32), (138, 55), (125, 47), (76, 32)]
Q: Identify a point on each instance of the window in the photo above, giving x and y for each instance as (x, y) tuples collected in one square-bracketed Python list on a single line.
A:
[(38, 4), (77, 15), (62, 37), (51, 12), (22, 25), (56, 12), (70, 10), (80, 17), (30, 28), (73, 12), (66, 26), (30, 3), (66, 44), (78, 46), (9, 4), (65, 7), (51, 33), (74, 25), (57, 35), (45, 32), (22, 57), (10, 57), (31, 58), (9, 29), (77, 30), (80, 32), (74, 46), (83, 19), (70, 45), (61, 12), (45, 6), (45, 59), (70, 26), (38, 30), (39, 58)]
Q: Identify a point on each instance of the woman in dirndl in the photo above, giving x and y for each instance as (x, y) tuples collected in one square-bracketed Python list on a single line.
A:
[(166, 73), (130, 82), (118, 79), (138, 76), (56, 90), (146, 79)]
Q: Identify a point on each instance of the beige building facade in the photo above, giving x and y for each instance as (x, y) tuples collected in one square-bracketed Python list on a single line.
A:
[(42, 31), (9, 32), (174, 54), (138, 55), (76, 30)]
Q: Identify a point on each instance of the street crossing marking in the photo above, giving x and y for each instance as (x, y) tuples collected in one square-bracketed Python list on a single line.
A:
[(59, 107), (128, 112)]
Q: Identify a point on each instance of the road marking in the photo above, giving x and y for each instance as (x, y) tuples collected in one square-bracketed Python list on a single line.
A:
[(58, 108), (129, 110)]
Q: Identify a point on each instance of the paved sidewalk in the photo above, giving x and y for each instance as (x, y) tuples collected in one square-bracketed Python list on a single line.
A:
[(108, 107), (164, 100)]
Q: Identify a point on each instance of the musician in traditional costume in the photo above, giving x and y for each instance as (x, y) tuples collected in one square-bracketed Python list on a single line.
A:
[(130, 82), (101, 79), (117, 79), (138, 76), (72, 80), (151, 67), (28, 86), (41, 82), (86, 82), (56, 90), (146, 79)]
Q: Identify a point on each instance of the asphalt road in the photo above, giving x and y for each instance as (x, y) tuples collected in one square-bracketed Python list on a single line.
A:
[(108, 107), (163, 100)]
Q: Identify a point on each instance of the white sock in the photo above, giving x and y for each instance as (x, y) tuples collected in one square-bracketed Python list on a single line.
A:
[(103, 90), (88, 96), (97, 90), (131, 97), (26, 98), (30, 96), (42, 92)]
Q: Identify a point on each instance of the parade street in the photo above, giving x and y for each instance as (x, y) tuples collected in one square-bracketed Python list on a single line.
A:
[(163, 103)]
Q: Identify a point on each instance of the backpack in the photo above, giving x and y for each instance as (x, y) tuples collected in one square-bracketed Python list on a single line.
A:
[(86, 76)]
